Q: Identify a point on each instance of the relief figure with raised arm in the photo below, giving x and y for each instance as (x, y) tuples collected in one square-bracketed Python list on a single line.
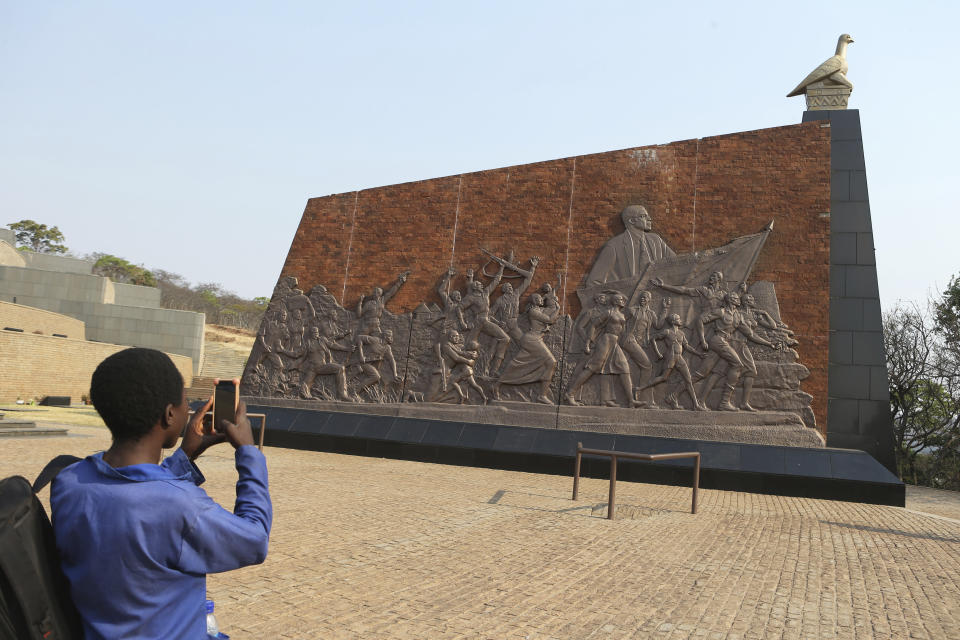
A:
[(642, 322), (270, 342), (452, 317), (506, 310), (317, 360), (727, 321), (374, 351), (710, 294), (534, 363), (476, 306), (370, 308)]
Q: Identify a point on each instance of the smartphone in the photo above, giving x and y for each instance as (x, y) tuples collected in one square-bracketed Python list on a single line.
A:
[(226, 396)]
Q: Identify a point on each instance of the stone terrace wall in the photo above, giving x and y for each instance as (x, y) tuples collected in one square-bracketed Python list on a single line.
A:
[(700, 193), (36, 366), (33, 320), (132, 295)]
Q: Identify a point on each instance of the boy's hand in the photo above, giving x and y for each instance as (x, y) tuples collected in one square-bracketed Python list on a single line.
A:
[(240, 433), (199, 436)]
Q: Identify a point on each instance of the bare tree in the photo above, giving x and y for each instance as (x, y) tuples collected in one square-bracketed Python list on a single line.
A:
[(923, 379)]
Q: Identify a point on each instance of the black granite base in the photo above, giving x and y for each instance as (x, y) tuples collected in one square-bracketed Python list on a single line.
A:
[(835, 474)]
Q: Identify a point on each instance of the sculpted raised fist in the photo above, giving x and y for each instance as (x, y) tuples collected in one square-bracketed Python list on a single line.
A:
[(451, 272), (657, 282)]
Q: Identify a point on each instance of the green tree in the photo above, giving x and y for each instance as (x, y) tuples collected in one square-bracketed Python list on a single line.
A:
[(121, 270), (946, 317), (33, 236)]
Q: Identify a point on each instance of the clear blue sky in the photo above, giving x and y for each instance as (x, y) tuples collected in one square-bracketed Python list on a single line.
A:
[(188, 136)]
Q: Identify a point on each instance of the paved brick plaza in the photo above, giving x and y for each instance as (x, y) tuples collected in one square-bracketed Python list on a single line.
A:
[(372, 548)]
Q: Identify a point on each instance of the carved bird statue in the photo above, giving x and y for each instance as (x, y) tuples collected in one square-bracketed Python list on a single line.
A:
[(832, 71)]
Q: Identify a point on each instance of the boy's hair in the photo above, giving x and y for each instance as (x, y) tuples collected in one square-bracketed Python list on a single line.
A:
[(131, 390)]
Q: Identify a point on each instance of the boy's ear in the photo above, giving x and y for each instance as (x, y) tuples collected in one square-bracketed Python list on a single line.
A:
[(168, 416)]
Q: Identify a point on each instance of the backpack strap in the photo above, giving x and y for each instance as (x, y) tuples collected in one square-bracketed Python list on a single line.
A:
[(50, 471)]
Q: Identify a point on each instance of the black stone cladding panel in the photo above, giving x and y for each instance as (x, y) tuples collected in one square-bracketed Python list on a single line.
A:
[(879, 384), (817, 473), (843, 248), (861, 281), (407, 430), (866, 253), (766, 460), (807, 462), (838, 281), (846, 314), (858, 186), (846, 415), (343, 424), (841, 347), (442, 434), (868, 348), (847, 155), (514, 439), (850, 217), (872, 318), (849, 381), (375, 429), (840, 186)]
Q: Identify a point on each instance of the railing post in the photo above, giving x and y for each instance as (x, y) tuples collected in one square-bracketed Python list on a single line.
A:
[(696, 482), (611, 501), (576, 472)]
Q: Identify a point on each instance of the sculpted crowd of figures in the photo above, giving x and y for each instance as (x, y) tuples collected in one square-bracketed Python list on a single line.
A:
[(656, 330)]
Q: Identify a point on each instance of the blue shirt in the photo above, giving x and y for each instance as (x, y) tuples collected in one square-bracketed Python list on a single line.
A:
[(137, 542)]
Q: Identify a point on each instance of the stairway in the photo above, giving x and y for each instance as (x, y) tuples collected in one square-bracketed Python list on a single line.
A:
[(220, 361), (10, 428)]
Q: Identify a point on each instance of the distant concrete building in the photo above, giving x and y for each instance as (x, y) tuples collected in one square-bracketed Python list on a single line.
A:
[(112, 312)]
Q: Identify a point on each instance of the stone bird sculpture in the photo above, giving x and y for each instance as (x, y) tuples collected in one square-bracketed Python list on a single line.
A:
[(832, 72)]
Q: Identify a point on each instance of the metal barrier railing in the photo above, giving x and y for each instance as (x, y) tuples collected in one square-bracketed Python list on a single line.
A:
[(612, 506), (263, 426)]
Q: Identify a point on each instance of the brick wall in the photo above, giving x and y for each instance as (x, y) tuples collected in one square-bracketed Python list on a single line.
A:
[(700, 193), (36, 366), (33, 320)]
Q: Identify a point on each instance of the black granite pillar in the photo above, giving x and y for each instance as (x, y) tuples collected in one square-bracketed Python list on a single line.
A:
[(858, 413)]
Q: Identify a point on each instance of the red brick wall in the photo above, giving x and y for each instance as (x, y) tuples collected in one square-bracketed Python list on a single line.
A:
[(700, 193)]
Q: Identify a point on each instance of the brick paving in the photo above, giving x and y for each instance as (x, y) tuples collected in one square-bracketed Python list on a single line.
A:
[(373, 548)]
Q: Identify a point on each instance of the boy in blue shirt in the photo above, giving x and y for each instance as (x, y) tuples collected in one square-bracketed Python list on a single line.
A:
[(136, 536)]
